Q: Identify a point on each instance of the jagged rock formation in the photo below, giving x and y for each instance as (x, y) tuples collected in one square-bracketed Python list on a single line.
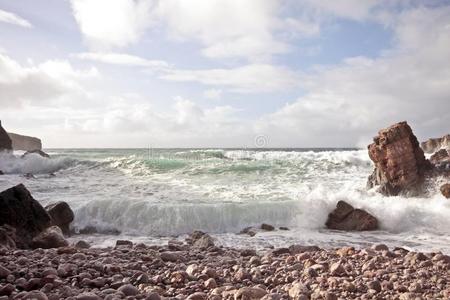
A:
[(25, 143), (5, 141), (400, 163), (435, 144), (345, 217)]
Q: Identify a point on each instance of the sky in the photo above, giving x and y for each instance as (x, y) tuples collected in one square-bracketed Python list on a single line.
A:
[(223, 73)]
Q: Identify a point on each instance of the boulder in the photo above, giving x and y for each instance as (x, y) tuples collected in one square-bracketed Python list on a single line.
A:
[(8, 237), (445, 190), (201, 240), (347, 218), (267, 227), (19, 210), (39, 152), (61, 215), (5, 141), (400, 163), (52, 237), (435, 144), (1, 172)]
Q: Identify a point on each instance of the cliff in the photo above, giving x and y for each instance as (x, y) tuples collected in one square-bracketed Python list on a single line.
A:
[(5, 141), (25, 143)]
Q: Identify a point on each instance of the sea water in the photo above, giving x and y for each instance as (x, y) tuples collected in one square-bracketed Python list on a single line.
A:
[(153, 195)]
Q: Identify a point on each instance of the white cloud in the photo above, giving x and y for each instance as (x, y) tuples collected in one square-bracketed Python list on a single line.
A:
[(347, 103), (112, 23), (213, 94), (39, 83), (14, 19), (246, 79), (122, 59)]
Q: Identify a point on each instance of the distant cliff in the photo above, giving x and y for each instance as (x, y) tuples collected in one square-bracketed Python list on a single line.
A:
[(25, 143), (433, 145)]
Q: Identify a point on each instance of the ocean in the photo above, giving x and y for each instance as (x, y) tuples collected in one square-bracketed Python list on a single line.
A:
[(154, 195)]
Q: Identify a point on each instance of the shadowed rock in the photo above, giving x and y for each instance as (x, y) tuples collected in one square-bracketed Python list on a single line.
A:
[(347, 218), (400, 164), (5, 141), (61, 214), (19, 210)]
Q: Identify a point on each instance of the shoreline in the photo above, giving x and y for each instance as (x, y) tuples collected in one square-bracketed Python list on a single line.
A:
[(197, 269)]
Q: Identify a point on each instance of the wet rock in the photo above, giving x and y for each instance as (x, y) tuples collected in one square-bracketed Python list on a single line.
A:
[(440, 157), (51, 237), (345, 217), (1, 172), (204, 242), (61, 215), (82, 245), (19, 210), (445, 190), (400, 163), (296, 249), (267, 227), (124, 243), (249, 231), (435, 144)]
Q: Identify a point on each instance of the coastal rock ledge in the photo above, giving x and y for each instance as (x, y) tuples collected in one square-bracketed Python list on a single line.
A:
[(400, 163)]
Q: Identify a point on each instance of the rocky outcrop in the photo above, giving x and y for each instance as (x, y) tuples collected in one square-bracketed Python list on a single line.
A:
[(445, 190), (61, 215), (38, 152), (19, 210), (400, 163), (5, 141), (25, 143), (442, 156), (435, 144), (51, 237), (347, 218)]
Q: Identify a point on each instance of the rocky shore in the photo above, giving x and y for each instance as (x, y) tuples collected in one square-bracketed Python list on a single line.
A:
[(197, 269)]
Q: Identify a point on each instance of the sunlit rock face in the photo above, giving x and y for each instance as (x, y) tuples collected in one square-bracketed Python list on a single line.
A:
[(400, 163)]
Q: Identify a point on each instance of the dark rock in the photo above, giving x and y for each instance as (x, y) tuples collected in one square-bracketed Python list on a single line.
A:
[(8, 237), (28, 176), (5, 140), (1, 172), (248, 230), (433, 145), (39, 152), (296, 249), (445, 190), (51, 237), (283, 228), (400, 164), (267, 227), (345, 217), (61, 215), (124, 243), (19, 210)]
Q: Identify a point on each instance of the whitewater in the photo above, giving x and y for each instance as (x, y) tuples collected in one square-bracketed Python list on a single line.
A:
[(153, 195)]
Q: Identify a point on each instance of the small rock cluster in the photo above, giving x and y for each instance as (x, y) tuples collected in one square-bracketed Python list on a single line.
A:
[(197, 271)]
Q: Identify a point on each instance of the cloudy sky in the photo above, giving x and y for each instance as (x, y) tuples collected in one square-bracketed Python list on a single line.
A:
[(223, 73)]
